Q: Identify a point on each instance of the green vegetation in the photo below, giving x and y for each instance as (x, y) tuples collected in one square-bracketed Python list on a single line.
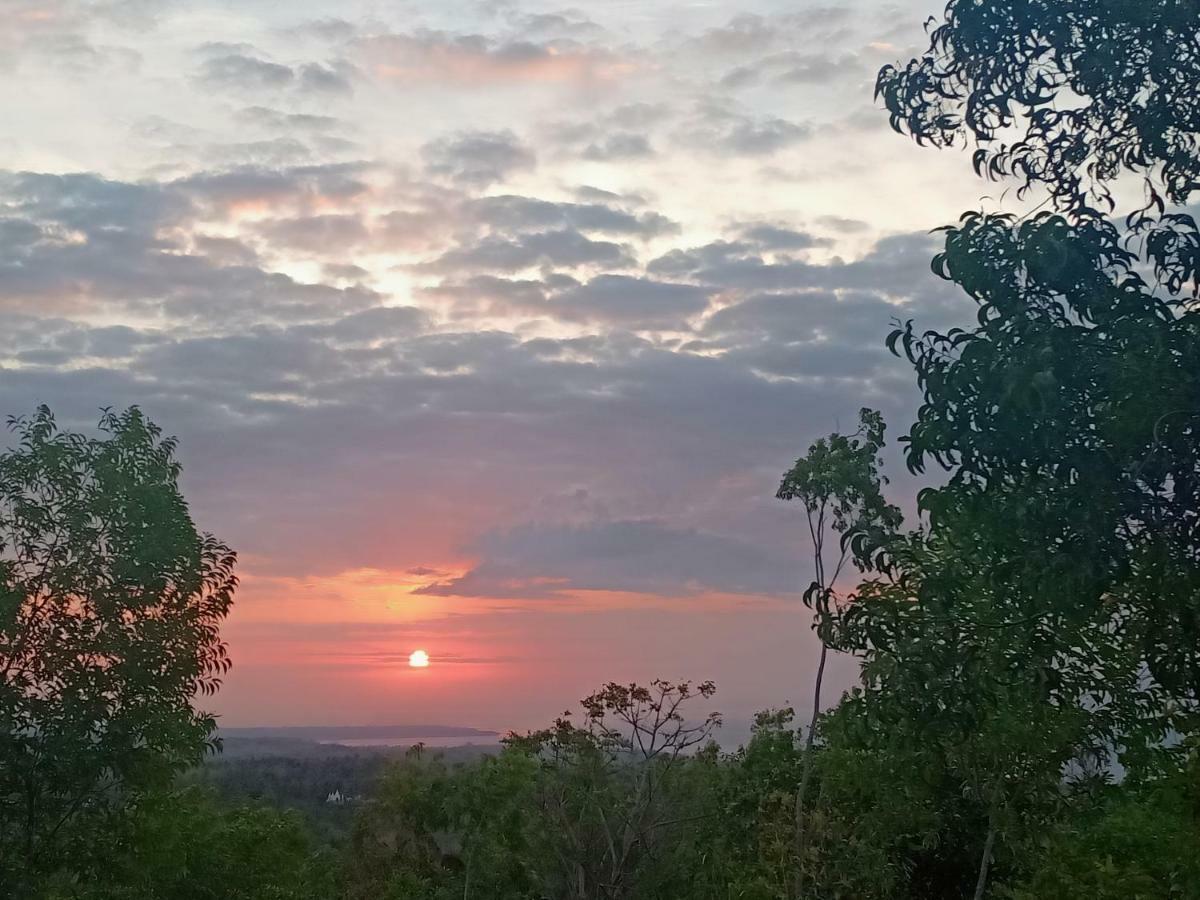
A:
[(1025, 724), (110, 603)]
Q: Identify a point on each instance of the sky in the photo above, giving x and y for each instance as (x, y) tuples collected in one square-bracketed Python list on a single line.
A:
[(486, 327)]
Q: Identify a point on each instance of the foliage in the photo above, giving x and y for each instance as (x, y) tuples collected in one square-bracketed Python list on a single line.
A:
[(1070, 419), (183, 845), (1091, 90), (1138, 844), (302, 784), (839, 483), (1043, 622), (633, 802), (110, 602)]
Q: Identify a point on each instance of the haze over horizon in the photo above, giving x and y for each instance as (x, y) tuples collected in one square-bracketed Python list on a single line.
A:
[(487, 328)]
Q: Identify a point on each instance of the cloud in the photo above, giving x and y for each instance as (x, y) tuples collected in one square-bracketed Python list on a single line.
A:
[(242, 72), (84, 243), (620, 133), (224, 192), (608, 299), (793, 67), (565, 24), (516, 213), (842, 224), (894, 266), (721, 128), (294, 396), (749, 34), (316, 234), (548, 561), (60, 32), (473, 60), (478, 158), (316, 78), (775, 237), (623, 146), (277, 120), (237, 68), (560, 248), (632, 301), (329, 29)]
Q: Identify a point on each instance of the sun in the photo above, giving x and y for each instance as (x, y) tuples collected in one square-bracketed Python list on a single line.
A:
[(418, 659)]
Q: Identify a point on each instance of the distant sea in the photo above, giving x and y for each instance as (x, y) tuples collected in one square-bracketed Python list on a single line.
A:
[(435, 741), (442, 736)]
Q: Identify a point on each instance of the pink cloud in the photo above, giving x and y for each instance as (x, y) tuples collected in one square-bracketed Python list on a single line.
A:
[(473, 60)]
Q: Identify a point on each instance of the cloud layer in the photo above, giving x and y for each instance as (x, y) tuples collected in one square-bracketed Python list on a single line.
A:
[(480, 319)]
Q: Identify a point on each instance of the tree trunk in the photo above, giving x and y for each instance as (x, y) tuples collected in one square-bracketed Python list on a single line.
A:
[(805, 772), (986, 860)]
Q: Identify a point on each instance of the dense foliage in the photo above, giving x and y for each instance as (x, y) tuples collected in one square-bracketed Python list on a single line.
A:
[(1067, 94), (110, 602)]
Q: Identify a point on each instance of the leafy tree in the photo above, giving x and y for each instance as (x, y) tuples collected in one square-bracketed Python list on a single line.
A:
[(1137, 844), (839, 484), (1045, 619), (110, 602), (1066, 94), (1069, 418), (395, 849), (605, 809), (184, 845), (608, 786)]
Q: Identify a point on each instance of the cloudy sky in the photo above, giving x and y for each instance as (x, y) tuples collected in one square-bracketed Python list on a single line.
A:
[(487, 326)]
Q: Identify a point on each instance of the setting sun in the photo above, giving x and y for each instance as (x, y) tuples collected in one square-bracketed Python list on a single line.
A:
[(418, 659)]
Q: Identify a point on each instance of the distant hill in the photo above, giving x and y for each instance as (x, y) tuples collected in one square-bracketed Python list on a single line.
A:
[(334, 733), (309, 741)]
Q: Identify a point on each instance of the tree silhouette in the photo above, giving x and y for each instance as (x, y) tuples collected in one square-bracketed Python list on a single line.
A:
[(110, 602)]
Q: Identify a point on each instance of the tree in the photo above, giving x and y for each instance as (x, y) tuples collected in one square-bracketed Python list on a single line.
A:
[(606, 786), (1071, 421), (1090, 89), (1136, 844), (184, 845), (608, 809), (1045, 619), (839, 484), (110, 602)]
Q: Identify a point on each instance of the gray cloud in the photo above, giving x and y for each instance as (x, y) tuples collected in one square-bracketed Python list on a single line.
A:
[(608, 299), (516, 213), (292, 397), (566, 24), (842, 224), (317, 234), (722, 128), (633, 301), (776, 237), (241, 72), (239, 68), (546, 561), (619, 146), (300, 185), (563, 248), (798, 68), (78, 241), (316, 78), (478, 158), (748, 34)]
